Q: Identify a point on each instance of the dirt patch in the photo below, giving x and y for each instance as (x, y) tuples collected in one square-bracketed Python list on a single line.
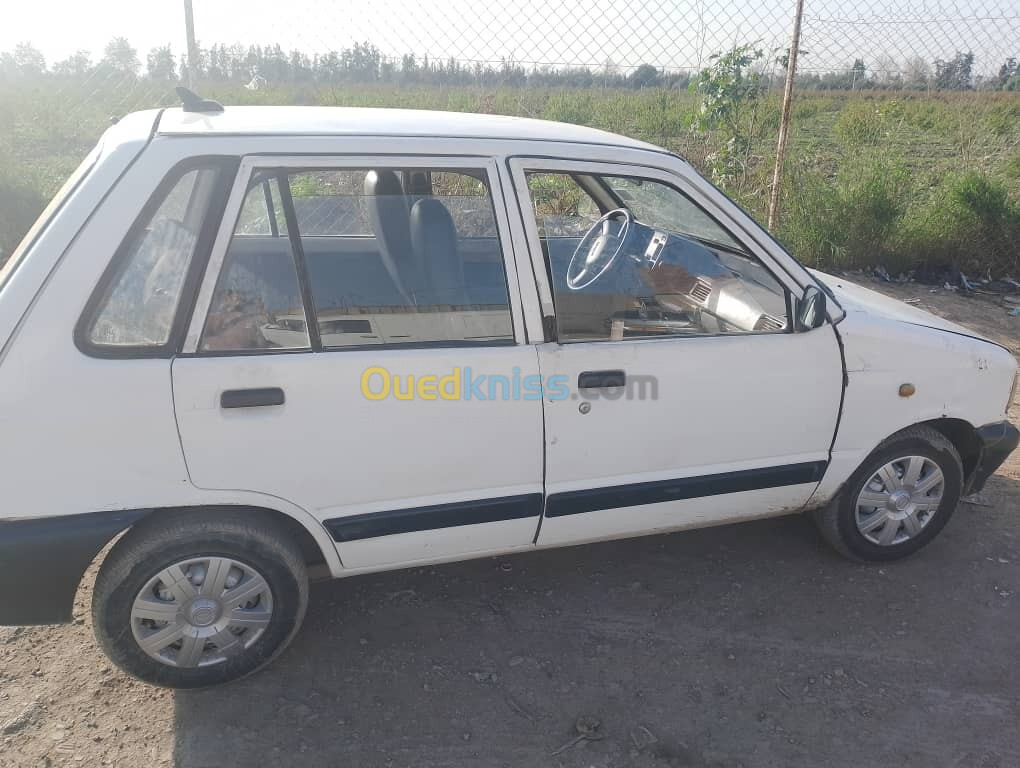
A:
[(63, 703), (738, 646)]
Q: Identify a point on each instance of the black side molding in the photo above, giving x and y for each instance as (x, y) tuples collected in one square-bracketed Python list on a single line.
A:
[(594, 499), (42, 561), (251, 398), (374, 524)]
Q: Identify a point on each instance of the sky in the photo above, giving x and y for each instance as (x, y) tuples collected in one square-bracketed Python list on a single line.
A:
[(671, 34)]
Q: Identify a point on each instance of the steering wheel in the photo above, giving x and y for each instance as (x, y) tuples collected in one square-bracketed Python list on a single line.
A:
[(598, 248)]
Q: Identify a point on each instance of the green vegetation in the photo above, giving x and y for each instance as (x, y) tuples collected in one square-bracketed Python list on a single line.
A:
[(732, 108), (20, 204), (908, 180), (850, 220)]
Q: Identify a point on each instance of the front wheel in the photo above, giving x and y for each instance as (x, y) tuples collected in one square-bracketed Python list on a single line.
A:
[(199, 598), (898, 500)]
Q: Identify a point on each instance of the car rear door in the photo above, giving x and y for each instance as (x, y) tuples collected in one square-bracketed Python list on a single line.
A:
[(714, 422), (342, 351)]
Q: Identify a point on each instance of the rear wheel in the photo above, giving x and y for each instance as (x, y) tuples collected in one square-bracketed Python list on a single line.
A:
[(898, 500), (199, 598)]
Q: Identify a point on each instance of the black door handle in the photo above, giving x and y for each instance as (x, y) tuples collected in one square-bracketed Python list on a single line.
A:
[(601, 379), (251, 398)]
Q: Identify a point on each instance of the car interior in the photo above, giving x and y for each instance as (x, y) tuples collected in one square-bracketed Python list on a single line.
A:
[(660, 279), (404, 256), (387, 264)]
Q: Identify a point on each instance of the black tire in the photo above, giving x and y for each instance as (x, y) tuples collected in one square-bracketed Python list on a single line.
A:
[(246, 536), (836, 520)]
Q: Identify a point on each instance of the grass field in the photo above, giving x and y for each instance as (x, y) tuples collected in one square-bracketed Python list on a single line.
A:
[(908, 181)]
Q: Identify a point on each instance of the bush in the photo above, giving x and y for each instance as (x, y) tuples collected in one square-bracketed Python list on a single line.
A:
[(969, 223), (847, 222), (1002, 119), (1011, 168), (859, 124), (20, 204)]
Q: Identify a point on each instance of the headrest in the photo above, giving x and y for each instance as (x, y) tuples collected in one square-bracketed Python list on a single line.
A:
[(432, 229), (383, 182)]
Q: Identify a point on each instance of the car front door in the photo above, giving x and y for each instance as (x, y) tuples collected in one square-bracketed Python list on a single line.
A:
[(678, 392), (356, 349)]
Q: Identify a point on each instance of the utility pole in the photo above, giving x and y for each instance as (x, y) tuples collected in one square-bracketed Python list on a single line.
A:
[(784, 123), (189, 26)]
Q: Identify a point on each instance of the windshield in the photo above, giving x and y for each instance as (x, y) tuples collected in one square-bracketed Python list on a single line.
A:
[(7, 269), (661, 206)]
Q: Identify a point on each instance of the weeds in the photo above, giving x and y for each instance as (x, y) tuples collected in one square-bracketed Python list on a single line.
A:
[(845, 222), (968, 223), (859, 124)]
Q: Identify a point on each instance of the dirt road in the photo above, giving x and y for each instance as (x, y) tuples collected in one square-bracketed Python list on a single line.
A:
[(748, 645)]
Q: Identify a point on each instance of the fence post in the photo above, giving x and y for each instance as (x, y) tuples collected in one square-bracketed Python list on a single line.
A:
[(189, 29), (784, 123)]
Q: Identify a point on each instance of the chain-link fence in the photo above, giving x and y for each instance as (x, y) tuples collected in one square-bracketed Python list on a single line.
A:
[(904, 140)]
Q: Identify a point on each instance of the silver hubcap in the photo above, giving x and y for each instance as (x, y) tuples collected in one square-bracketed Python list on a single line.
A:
[(201, 611), (899, 500)]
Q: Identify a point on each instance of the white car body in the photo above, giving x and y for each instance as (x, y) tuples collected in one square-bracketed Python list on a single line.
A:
[(745, 425)]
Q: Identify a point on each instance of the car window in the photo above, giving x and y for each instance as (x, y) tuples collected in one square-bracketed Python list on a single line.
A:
[(666, 268), (562, 208), (329, 203), (661, 206), (257, 303), (139, 306), (262, 212), (467, 199), (392, 256)]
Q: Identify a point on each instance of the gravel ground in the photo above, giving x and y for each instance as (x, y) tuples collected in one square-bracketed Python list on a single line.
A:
[(747, 645)]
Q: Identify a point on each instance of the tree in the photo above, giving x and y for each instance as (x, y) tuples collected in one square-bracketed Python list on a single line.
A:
[(77, 64), (408, 68), (645, 76), (1009, 71), (121, 57), (362, 62), (609, 72), (28, 59), (917, 73), (300, 66), (955, 74), (329, 67), (729, 91), (886, 72), (858, 73), (161, 64), (727, 87)]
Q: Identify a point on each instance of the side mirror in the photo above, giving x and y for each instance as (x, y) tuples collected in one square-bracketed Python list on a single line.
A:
[(811, 309)]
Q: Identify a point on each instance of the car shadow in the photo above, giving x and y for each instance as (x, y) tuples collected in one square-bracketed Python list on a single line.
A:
[(748, 644)]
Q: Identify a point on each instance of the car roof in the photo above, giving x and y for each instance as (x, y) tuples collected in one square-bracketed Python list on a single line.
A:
[(362, 121)]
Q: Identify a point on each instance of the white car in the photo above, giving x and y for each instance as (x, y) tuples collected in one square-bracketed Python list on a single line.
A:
[(265, 342)]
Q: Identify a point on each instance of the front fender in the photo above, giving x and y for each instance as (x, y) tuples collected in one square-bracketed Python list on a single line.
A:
[(953, 377)]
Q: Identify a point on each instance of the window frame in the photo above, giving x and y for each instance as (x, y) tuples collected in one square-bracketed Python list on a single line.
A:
[(521, 166), (288, 164), (225, 167)]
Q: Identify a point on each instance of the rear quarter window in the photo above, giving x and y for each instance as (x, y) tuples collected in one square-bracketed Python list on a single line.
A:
[(136, 305)]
